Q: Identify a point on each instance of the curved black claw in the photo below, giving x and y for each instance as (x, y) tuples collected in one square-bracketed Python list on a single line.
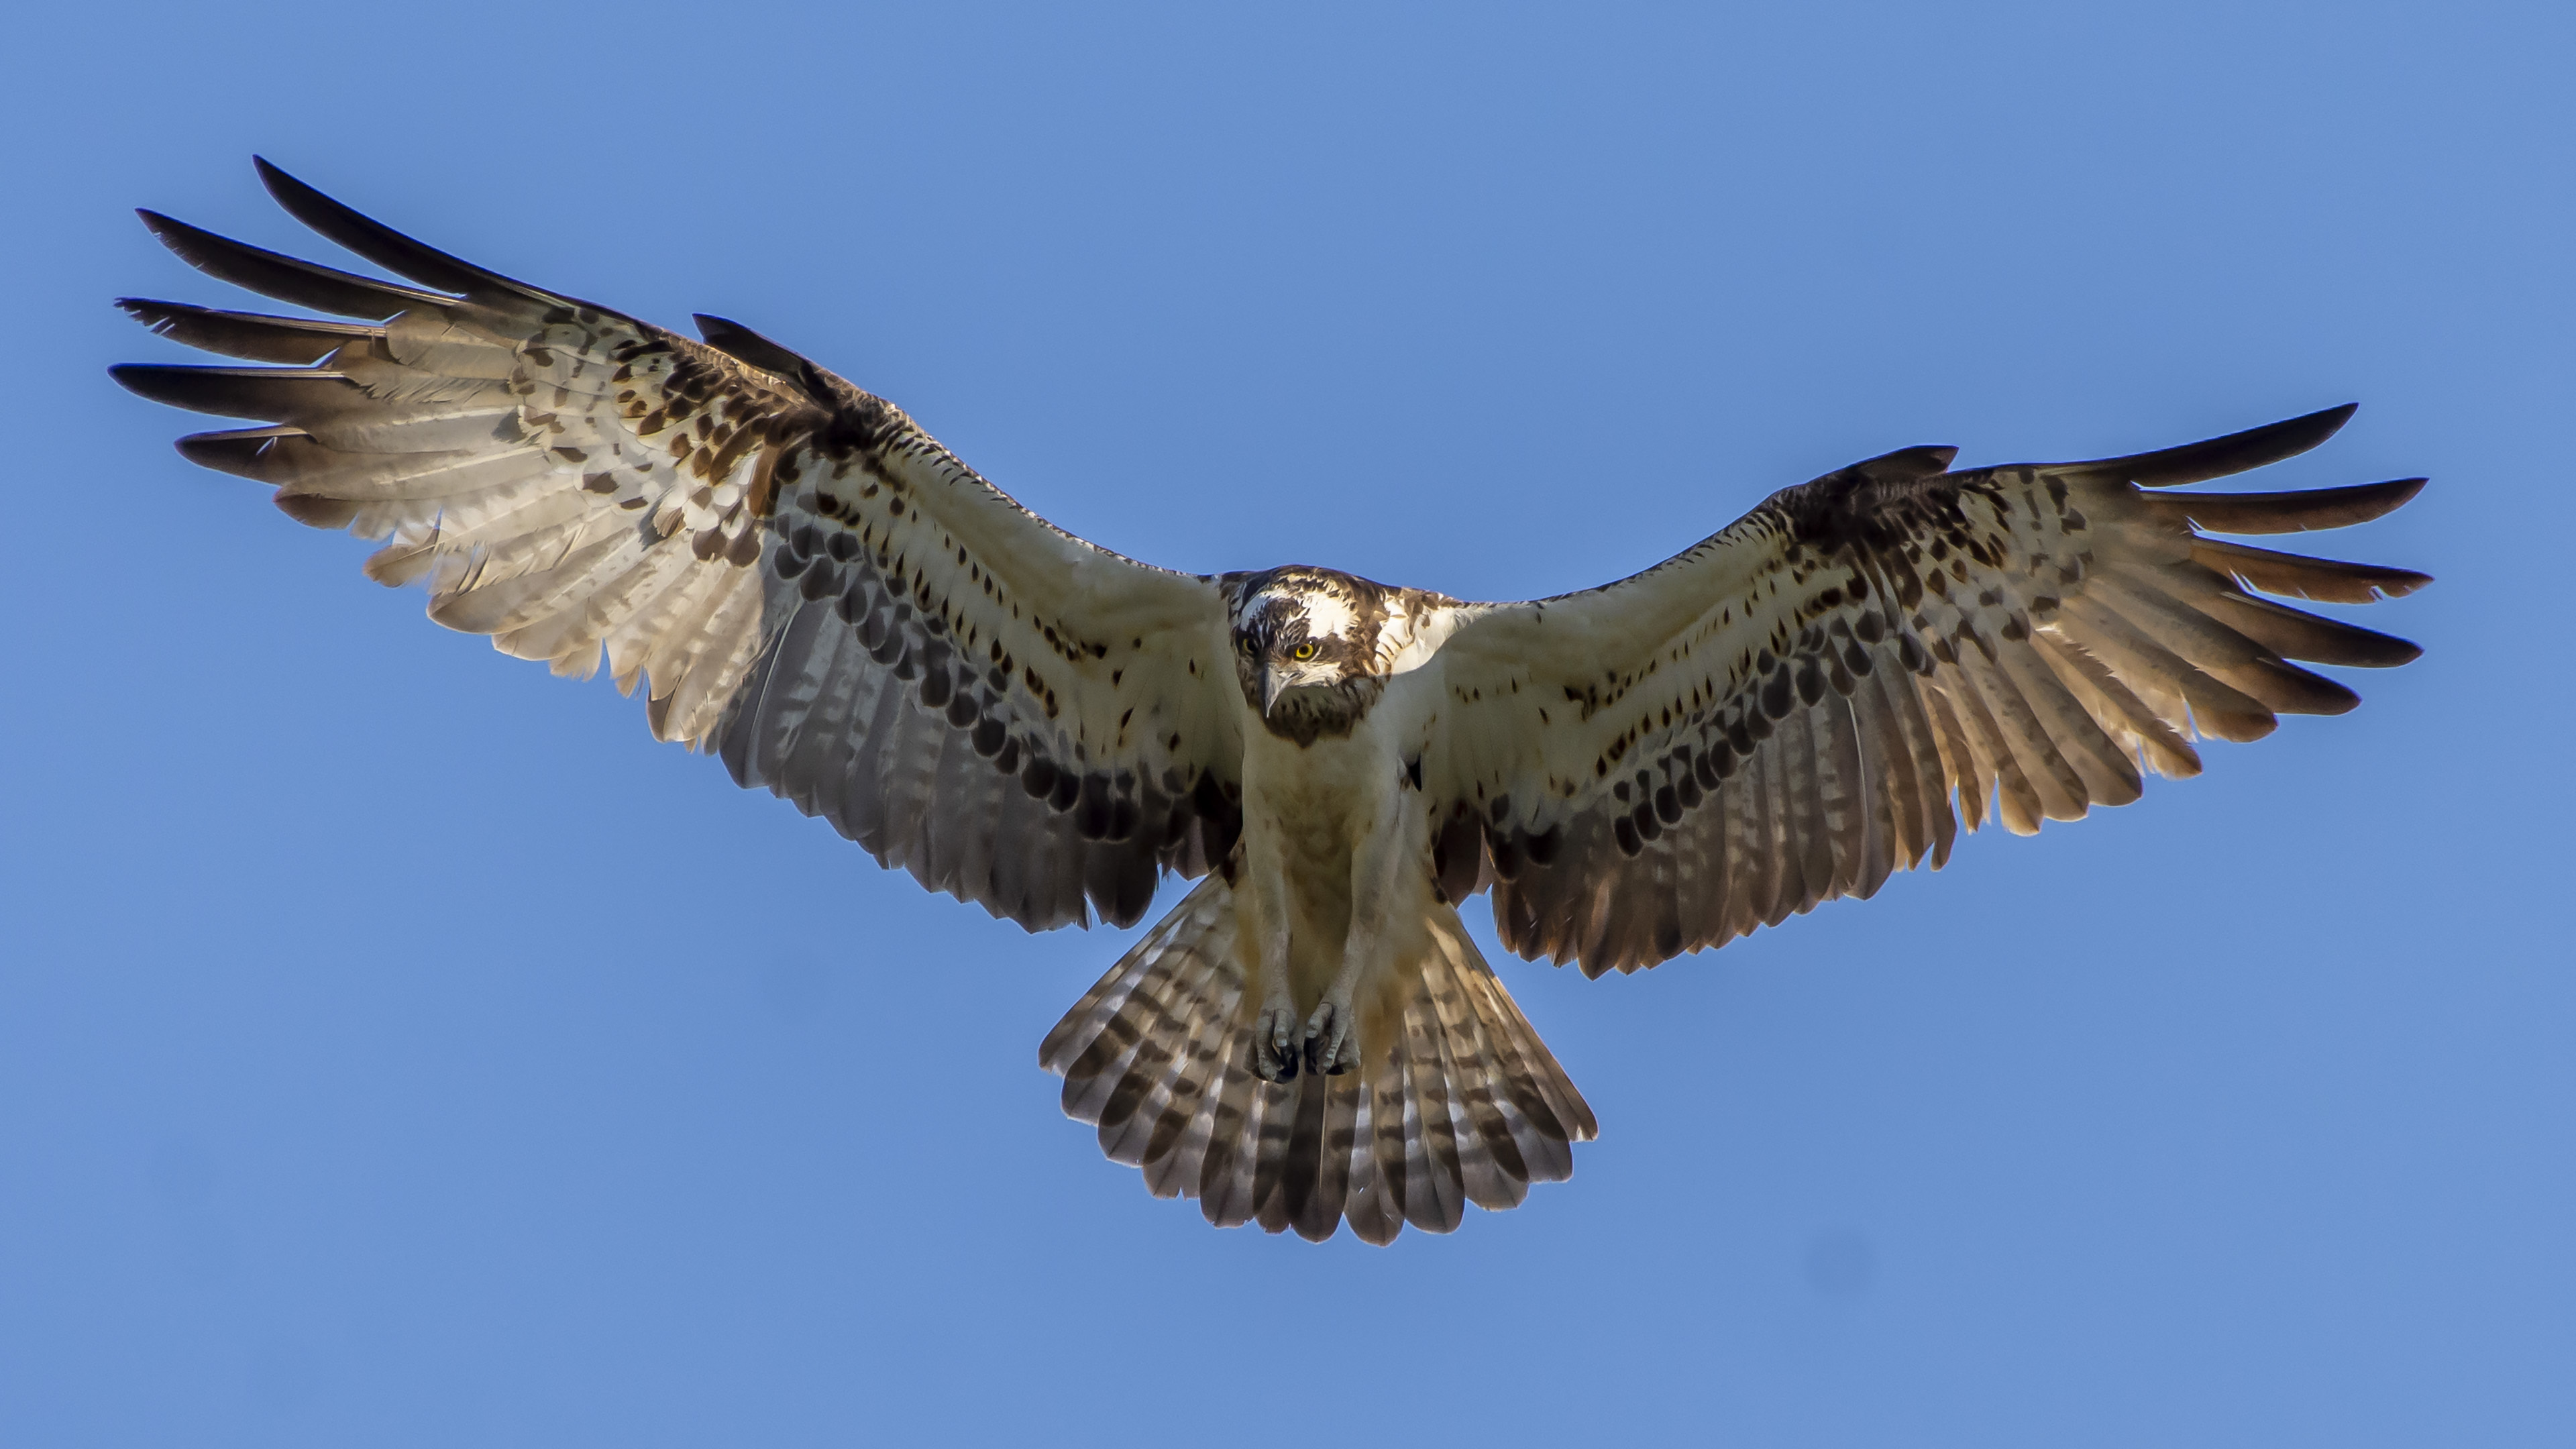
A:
[(1274, 1057), (1329, 1049)]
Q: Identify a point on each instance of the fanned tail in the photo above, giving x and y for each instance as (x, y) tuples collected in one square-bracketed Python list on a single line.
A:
[(1459, 1101)]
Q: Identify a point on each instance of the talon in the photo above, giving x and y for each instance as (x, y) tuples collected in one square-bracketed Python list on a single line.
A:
[(1330, 1050), (1274, 1059)]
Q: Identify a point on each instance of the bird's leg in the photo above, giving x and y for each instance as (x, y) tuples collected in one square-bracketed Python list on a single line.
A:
[(1275, 1036), (1332, 1039)]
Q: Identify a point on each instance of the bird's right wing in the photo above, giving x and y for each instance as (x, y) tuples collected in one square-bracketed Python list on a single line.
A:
[(801, 578)]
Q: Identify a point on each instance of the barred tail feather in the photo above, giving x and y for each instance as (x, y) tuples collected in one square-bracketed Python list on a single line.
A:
[(1457, 1102)]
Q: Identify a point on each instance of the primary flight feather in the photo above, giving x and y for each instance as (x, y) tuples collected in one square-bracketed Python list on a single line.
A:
[(805, 583)]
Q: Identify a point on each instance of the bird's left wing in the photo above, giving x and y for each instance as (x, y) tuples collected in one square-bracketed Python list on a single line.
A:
[(800, 577), (1786, 712)]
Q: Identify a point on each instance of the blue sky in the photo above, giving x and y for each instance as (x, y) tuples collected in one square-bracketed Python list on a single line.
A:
[(398, 1048)]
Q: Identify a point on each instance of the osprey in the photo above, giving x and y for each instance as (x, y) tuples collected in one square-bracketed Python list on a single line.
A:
[(804, 583)]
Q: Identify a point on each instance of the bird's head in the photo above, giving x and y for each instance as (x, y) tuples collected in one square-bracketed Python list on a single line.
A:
[(1306, 648)]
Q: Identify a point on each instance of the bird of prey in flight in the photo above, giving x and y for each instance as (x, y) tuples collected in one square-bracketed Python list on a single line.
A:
[(802, 582)]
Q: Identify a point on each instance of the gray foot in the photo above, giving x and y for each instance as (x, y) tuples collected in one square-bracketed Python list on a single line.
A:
[(1274, 1044), (1332, 1047)]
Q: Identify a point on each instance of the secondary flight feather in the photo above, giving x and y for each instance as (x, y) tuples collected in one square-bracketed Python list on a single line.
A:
[(802, 581)]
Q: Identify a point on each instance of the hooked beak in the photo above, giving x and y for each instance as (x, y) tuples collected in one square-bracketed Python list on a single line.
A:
[(1271, 686)]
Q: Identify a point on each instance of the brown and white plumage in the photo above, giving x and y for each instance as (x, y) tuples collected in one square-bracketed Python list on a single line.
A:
[(793, 572), (1469, 1107), (1787, 712), (805, 583)]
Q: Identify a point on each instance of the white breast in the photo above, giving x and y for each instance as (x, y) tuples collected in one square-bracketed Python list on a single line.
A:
[(1308, 814), (1315, 802)]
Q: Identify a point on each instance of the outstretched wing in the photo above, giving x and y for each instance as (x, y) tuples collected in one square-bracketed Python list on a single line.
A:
[(800, 578), (1787, 712)]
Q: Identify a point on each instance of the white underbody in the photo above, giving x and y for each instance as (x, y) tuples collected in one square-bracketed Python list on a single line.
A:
[(1336, 892)]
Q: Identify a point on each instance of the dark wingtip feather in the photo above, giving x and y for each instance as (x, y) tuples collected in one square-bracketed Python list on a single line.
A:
[(380, 243), (2292, 690), (2299, 576), (2298, 511), (237, 451), (139, 378), (286, 278), (2218, 457), (247, 335), (151, 313), (2296, 634), (273, 394)]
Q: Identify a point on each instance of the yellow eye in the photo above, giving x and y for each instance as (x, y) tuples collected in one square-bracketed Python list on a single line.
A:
[(1302, 653)]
